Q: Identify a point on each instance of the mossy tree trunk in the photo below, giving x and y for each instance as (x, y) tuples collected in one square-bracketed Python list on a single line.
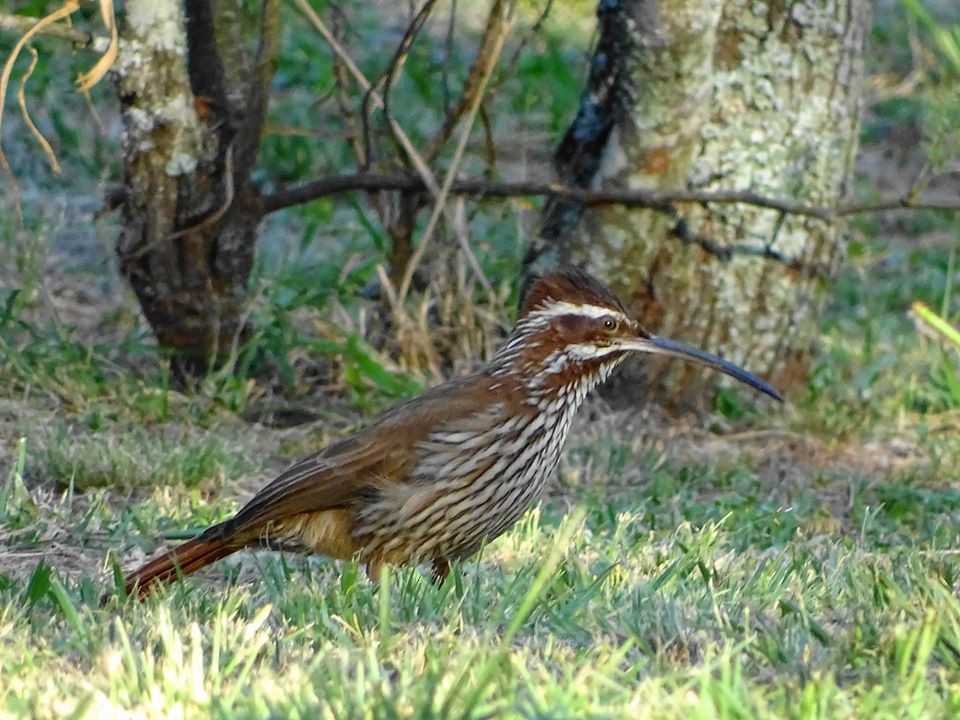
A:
[(715, 94), (193, 115)]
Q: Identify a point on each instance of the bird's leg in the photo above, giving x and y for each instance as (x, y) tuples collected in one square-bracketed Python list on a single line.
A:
[(441, 568), (374, 570)]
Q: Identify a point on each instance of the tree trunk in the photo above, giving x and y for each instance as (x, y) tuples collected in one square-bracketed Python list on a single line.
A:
[(715, 94), (190, 210)]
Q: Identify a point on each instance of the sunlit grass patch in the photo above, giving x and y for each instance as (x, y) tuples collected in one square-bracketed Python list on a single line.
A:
[(134, 458), (685, 623)]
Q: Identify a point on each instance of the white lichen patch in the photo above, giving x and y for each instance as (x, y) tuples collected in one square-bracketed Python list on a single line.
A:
[(179, 110), (130, 58), (180, 164), (613, 161), (139, 121), (158, 23)]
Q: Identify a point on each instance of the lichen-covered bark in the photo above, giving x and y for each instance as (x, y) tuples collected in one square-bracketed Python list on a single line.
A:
[(745, 94), (190, 211)]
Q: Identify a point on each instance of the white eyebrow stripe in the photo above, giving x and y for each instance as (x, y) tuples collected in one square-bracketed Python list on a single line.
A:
[(557, 308), (588, 351)]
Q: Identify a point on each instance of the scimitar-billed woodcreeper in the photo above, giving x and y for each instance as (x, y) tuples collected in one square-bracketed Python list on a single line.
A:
[(436, 477)]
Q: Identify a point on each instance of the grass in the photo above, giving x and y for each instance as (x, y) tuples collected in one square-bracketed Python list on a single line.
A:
[(796, 563), (679, 574), (708, 600)]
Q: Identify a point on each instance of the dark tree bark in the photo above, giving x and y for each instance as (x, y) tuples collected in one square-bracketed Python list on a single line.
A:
[(193, 117), (714, 94)]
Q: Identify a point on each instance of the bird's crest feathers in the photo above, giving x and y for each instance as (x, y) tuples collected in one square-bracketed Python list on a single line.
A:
[(568, 290)]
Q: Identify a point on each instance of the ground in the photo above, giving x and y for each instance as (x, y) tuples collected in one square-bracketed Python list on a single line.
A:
[(765, 561)]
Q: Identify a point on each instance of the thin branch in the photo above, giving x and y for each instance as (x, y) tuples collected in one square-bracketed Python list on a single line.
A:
[(341, 82), (448, 56), (195, 225), (258, 90), (724, 253), (418, 162), (483, 66), (95, 74), (484, 189), (80, 38), (489, 144), (403, 50), (389, 75), (504, 11), (192, 225), (659, 200), (509, 68), (903, 202), (401, 227)]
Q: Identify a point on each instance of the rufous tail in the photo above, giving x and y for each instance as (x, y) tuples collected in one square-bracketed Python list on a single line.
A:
[(183, 560)]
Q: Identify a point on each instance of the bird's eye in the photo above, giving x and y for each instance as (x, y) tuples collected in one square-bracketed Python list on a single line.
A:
[(609, 323)]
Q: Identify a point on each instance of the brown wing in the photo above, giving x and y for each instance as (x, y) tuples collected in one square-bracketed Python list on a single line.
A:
[(384, 452)]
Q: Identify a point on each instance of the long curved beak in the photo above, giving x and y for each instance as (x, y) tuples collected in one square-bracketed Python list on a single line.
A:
[(663, 346)]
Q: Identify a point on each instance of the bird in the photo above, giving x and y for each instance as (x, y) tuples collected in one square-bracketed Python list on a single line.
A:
[(438, 476)]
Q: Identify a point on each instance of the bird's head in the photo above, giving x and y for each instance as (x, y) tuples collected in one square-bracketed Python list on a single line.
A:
[(572, 331)]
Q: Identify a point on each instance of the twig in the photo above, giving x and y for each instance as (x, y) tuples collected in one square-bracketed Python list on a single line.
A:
[(258, 93), (426, 175), (95, 74), (724, 253), (192, 225), (903, 202), (659, 200), (483, 189), (483, 65), (389, 75), (511, 65), (216, 215), (80, 38), (489, 144), (935, 322), (341, 80), (403, 50), (418, 162), (448, 56), (504, 11)]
